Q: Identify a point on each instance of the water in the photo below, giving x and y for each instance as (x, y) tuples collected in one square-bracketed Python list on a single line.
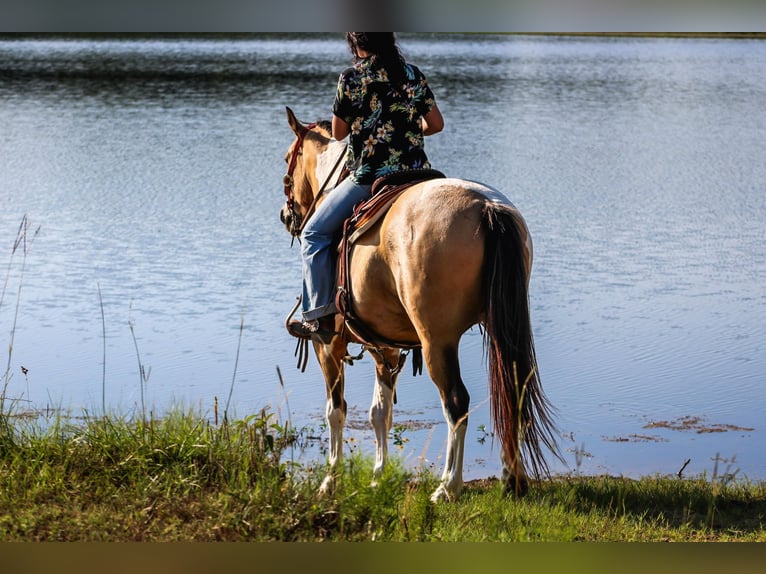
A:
[(153, 168)]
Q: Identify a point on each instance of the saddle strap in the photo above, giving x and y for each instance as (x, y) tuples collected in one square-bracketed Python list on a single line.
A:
[(362, 219), (375, 207)]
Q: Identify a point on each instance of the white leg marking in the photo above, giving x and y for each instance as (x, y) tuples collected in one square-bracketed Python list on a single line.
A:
[(381, 415), (335, 421), (452, 479)]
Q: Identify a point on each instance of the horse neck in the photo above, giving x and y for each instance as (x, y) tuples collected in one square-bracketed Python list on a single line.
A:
[(327, 164), (322, 168)]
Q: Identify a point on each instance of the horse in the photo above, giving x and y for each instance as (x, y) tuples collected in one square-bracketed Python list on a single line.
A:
[(448, 254)]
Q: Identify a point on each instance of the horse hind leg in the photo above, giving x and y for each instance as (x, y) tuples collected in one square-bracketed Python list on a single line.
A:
[(514, 477), (444, 369), (381, 410)]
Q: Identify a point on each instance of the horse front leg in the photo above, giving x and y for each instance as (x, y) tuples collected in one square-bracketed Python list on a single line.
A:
[(382, 408), (336, 418), (330, 360)]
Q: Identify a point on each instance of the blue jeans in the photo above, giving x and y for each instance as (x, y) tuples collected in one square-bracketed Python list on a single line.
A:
[(319, 257)]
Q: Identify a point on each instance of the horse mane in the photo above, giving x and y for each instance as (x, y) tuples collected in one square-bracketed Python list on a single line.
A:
[(325, 125), (321, 132)]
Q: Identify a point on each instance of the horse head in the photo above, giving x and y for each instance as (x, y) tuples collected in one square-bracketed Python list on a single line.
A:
[(305, 170)]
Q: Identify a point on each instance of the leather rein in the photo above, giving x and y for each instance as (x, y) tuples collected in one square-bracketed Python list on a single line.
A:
[(298, 221)]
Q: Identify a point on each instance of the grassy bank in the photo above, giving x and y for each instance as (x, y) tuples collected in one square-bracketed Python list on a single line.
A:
[(183, 477)]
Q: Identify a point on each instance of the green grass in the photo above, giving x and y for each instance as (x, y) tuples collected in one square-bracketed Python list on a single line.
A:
[(183, 477)]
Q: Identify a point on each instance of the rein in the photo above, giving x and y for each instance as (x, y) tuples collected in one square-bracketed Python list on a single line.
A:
[(321, 191)]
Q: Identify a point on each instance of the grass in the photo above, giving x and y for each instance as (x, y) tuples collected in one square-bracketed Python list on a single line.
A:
[(183, 477), (21, 246)]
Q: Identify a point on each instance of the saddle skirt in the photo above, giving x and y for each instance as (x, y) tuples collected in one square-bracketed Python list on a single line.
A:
[(385, 190)]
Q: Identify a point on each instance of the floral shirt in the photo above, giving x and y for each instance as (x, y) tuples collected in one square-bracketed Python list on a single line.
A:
[(385, 130)]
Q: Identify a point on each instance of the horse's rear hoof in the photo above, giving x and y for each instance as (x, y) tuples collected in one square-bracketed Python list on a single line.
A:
[(442, 494), (516, 487)]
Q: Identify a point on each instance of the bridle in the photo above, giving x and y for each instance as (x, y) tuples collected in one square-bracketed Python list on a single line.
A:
[(296, 220)]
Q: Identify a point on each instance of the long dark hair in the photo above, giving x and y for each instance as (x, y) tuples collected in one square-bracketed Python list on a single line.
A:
[(384, 50)]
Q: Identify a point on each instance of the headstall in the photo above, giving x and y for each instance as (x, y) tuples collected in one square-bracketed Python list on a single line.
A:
[(296, 225), (288, 181)]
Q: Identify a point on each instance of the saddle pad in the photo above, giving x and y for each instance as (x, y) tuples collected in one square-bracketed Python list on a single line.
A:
[(372, 210), (385, 191)]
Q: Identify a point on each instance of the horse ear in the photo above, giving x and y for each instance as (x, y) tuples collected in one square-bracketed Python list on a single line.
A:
[(295, 125)]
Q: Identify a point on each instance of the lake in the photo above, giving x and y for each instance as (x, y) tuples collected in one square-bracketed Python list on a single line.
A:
[(153, 168)]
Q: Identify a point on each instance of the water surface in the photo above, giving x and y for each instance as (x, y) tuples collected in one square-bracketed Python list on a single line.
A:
[(153, 168)]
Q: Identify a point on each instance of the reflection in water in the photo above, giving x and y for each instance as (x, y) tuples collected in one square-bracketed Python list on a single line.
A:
[(154, 167)]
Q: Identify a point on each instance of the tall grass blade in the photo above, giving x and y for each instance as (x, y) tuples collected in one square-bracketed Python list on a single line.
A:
[(236, 364), (103, 358), (23, 240), (142, 373)]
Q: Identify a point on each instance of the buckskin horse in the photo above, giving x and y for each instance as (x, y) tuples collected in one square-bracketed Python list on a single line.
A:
[(448, 254)]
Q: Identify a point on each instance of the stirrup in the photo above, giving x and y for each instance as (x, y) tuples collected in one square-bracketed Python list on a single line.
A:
[(303, 329), (309, 330)]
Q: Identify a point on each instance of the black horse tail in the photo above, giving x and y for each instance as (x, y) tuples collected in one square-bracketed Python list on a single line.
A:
[(521, 414)]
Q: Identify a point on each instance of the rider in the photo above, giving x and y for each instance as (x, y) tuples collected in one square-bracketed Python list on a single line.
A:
[(385, 106)]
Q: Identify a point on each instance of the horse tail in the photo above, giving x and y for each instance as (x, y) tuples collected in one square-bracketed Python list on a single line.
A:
[(521, 414)]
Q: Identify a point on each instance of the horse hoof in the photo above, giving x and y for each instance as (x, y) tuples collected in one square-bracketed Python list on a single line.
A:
[(517, 487), (441, 494)]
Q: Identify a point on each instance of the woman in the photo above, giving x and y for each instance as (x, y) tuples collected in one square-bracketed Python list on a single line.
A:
[(385, 107)]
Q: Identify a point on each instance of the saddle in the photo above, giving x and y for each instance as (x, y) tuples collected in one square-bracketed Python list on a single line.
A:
[(385, 190)]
